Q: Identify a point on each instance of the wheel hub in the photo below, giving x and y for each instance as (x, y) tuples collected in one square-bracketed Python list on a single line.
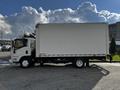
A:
[(25, 63), (79, 63)]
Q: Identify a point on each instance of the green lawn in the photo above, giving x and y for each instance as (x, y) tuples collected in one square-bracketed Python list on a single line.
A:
[(116, 58)]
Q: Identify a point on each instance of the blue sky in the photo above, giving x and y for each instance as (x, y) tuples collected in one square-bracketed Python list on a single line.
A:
[(8, 7), (19, 16)]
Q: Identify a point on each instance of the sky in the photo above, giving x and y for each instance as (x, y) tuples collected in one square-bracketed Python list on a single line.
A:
[(8, 7), (20, 16)]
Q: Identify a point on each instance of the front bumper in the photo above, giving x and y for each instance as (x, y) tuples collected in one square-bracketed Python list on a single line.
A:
[(14, 60)]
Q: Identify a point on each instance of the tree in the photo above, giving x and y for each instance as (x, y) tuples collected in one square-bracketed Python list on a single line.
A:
[(112, 48)]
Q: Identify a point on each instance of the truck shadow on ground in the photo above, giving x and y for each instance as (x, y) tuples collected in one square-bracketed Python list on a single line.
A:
[(51, 77)]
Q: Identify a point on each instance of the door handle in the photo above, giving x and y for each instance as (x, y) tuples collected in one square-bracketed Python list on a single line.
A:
[(26, 51)]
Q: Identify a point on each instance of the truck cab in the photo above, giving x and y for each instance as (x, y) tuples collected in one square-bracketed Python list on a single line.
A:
[(22, 50)]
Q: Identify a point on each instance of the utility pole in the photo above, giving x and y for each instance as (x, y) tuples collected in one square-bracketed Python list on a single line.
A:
[(1, 34), (1, 37)]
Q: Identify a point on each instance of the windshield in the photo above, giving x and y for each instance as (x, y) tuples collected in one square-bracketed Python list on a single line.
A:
[(19, 43)]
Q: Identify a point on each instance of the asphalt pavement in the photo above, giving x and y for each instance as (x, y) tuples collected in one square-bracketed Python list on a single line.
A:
[(100, 76)]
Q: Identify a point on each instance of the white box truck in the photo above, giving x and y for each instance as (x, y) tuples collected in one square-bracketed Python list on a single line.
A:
[(62, 43)]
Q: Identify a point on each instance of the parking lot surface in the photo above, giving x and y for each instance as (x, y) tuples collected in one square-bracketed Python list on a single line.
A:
[(99, 76)]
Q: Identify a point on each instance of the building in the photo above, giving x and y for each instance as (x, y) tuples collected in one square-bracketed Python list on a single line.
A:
[(114, 31), (5, 42)]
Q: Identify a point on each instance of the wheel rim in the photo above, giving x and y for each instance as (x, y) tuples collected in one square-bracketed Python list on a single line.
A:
[(79, 63), (25, 63)]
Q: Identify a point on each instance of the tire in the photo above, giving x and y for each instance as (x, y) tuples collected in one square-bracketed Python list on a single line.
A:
[(25, 63), (79, 63)]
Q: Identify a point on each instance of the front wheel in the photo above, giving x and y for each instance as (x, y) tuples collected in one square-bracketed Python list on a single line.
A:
[(25, 63), (79, 63)]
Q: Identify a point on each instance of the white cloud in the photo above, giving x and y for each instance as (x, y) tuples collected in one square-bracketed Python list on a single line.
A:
[(86, 12), (4, 26), (110, 17), (26, 20)]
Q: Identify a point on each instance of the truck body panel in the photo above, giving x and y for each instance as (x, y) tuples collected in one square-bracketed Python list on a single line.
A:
[(72, 39)]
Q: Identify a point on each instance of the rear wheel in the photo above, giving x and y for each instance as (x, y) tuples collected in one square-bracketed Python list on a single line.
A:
[(79, 63)]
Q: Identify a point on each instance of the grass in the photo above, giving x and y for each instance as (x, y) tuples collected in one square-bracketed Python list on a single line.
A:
[(116, 58)]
